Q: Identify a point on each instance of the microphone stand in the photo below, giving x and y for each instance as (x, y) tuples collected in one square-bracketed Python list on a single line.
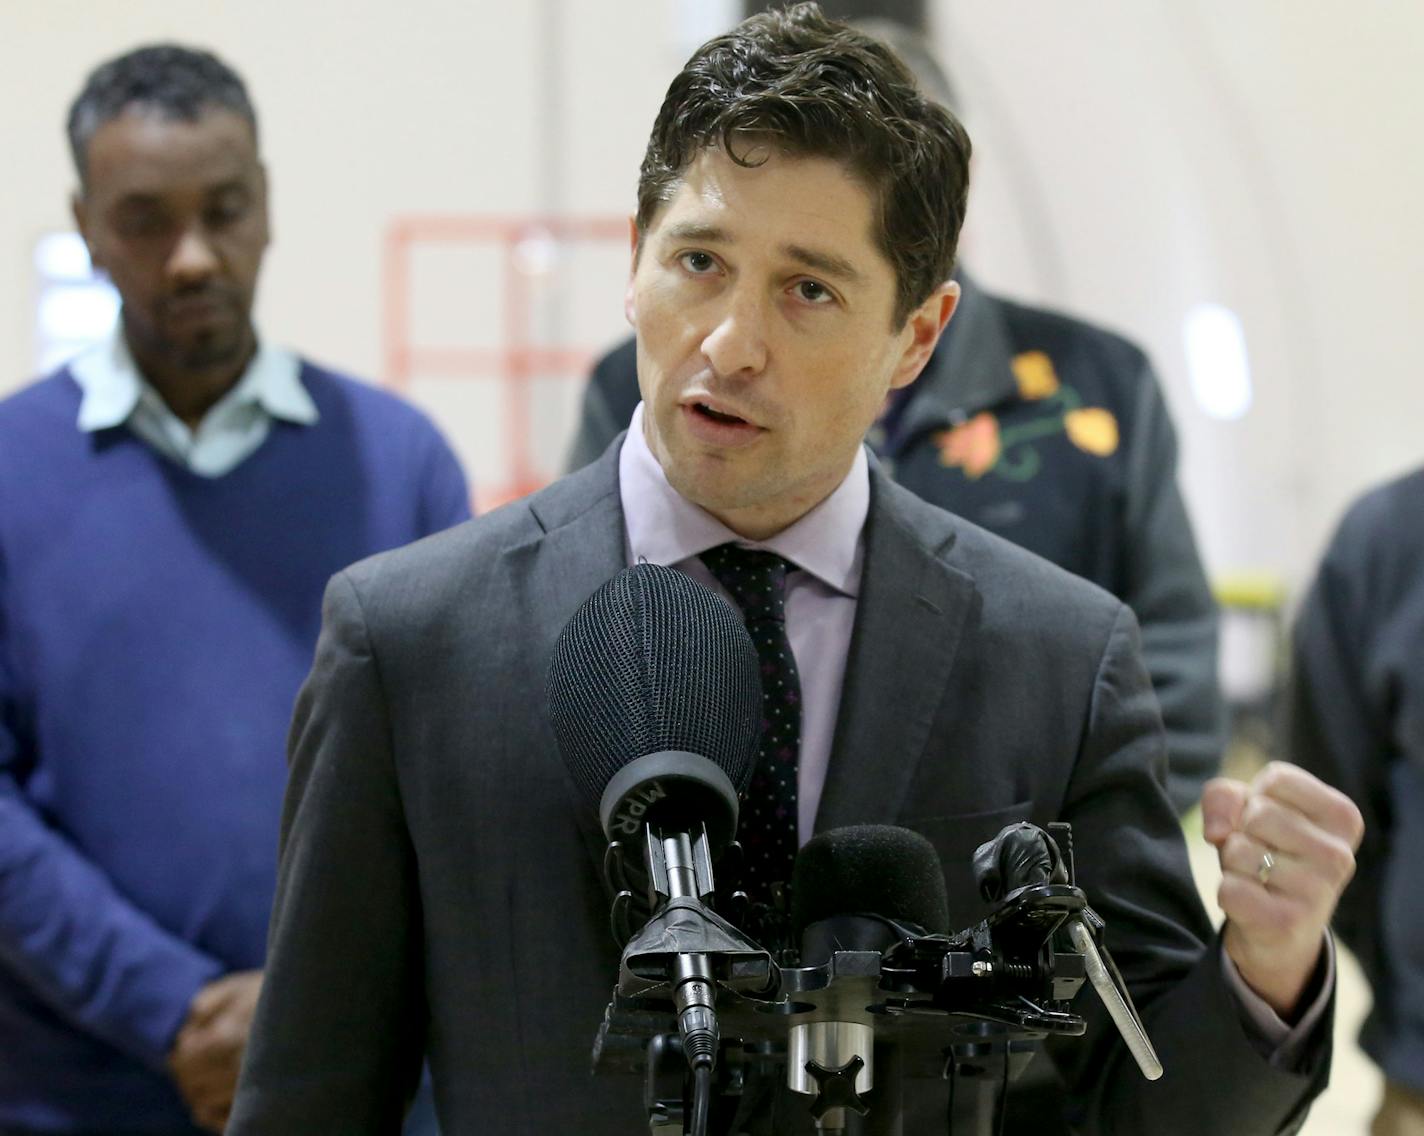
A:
[(887, 1105), (982, 998), (683, 953)]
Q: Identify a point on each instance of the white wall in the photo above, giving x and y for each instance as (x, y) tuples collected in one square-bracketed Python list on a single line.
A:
[(1134, 157)]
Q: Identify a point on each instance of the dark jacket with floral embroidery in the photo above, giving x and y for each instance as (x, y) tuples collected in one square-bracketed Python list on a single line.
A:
[(1052, 433)]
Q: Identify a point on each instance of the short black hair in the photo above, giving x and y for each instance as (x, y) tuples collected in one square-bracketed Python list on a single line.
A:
[(812, 87), (177, 82)]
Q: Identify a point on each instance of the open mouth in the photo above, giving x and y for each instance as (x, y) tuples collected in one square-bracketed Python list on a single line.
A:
[(717, 416)]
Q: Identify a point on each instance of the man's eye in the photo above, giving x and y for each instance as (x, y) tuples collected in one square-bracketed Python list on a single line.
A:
[(144, 224), (814, 292), (225, 215), (227, 209), (698, 262)]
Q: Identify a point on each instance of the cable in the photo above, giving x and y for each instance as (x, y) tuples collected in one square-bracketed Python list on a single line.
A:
[(701, 1099)]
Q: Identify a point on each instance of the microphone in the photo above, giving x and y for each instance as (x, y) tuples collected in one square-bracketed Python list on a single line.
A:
[(856, 888), (861, 888), (654, 692)]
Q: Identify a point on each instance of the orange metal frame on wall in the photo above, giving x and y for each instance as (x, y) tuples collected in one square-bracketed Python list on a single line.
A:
[(518, 359)]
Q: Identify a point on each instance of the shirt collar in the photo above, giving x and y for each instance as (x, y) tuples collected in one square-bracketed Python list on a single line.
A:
[(112, 386), (664, 527)]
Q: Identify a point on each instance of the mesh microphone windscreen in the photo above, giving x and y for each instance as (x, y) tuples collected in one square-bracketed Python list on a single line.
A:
[(869, 869), (651, 662)]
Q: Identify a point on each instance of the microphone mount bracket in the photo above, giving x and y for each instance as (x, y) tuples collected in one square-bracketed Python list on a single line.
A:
[(978, 1000)]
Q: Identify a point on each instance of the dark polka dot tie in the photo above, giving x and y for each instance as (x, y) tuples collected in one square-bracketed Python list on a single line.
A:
[(767, 829)]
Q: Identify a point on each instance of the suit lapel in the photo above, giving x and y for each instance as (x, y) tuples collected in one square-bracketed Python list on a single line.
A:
[(909, 619), (580, 547)]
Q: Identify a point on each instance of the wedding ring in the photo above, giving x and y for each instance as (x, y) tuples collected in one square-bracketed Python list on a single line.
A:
[(1263, 871)]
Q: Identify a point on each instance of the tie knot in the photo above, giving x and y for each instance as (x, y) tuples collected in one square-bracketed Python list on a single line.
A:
[(756, 578)]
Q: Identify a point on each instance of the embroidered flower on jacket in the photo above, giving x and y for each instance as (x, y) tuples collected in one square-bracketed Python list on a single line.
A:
[(1093, 430), (1035, 374), (972, 445)]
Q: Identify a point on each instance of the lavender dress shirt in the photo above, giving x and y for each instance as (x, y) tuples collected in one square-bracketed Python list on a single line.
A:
[(826, 549)]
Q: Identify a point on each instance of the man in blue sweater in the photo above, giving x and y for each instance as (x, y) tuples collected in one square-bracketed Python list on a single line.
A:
[(171, 506)]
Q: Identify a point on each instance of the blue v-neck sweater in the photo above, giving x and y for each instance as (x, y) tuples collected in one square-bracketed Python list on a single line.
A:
[(155, 626)]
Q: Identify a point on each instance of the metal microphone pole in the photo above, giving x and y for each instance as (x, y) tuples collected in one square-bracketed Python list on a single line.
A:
[(681, 868)]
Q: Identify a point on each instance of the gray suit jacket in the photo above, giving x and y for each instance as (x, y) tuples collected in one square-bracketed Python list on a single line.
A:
[(439, 886)]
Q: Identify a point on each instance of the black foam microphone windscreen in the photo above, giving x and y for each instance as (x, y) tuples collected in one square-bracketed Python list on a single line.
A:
[(654, 662), (869, 869)]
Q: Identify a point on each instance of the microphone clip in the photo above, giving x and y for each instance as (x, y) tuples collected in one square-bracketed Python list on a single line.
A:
[(674, 918), (687, 926)]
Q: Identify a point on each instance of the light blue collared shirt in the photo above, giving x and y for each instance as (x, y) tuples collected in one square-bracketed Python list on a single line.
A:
[(116, 394)]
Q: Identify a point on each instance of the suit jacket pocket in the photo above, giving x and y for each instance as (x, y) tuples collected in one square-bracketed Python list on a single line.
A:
[(955, 838)]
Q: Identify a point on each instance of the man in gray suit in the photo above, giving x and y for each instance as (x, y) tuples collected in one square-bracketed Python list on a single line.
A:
[(440, 887)]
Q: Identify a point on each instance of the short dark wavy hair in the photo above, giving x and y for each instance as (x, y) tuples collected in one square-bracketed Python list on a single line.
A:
[(177, 82), (812, 87)]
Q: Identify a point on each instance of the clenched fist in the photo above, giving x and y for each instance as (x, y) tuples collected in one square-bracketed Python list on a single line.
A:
[(1287, 845), (207, 1054)]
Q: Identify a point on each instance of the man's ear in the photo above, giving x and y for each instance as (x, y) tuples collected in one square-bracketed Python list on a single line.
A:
[(922, 331), (264, 185), (628, 310)]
